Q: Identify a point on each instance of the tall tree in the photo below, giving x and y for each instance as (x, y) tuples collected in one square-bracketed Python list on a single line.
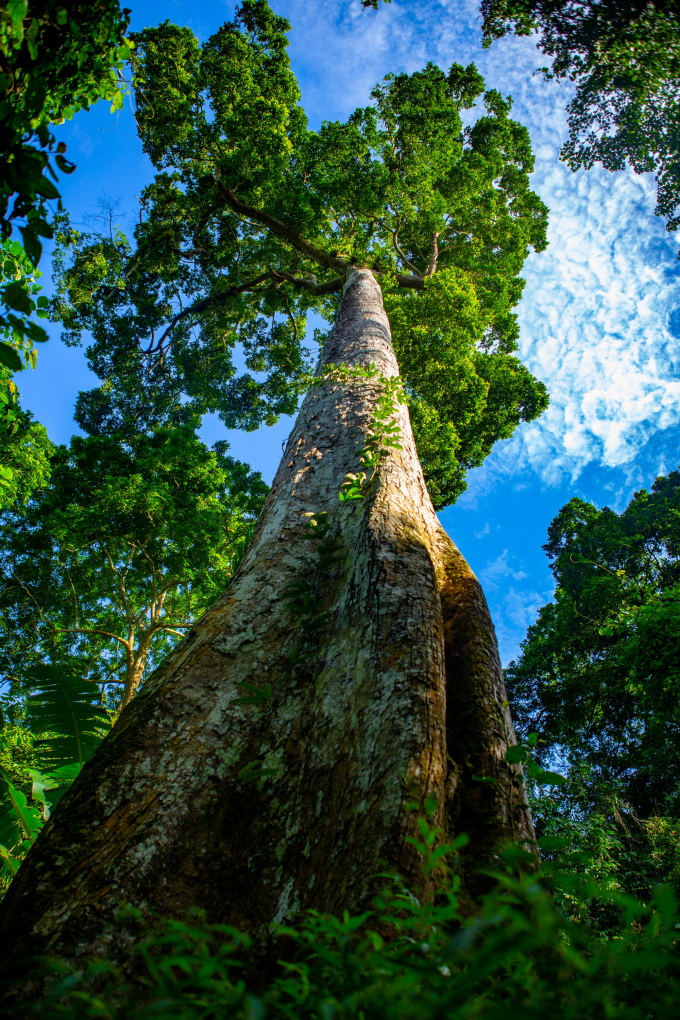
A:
[(351, 669), (599, 678), (599, 672), (624, 58), (253, 219), (127, 546)]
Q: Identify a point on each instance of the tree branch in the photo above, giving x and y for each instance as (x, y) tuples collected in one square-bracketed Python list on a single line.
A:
[(324, 258), (309, 282), (200, 306), (434, 255), (395, 242)]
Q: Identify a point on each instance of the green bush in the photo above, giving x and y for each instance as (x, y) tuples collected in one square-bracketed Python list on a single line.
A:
[(519, 956)]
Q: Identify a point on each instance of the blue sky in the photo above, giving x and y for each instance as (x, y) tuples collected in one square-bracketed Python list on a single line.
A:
[(600, 315)]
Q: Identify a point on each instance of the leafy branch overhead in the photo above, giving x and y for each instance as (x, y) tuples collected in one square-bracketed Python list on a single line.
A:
[(253, 220), (624, 59), (55, 60)]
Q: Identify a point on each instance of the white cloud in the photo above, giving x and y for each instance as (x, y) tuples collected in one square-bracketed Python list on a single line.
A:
[(498, 569), (485, 531), (517, 611)]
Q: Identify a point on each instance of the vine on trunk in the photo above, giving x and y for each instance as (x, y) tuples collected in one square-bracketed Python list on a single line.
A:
[(302, 596)]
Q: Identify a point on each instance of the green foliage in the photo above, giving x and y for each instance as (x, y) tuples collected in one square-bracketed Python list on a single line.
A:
[(518, 957), (606, 843), (18, 290), (25, 449), (128, 544), (253, 219), (45, 739), (61, 703), (55, 59), (599, 678), (624, 57), (599, 672), (467, 389)]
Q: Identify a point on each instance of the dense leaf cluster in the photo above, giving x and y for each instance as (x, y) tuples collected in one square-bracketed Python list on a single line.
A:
[(599, 679), (45, 739), (253, 219), (624, 57), (55, 58), (24, 450), (105, 567)]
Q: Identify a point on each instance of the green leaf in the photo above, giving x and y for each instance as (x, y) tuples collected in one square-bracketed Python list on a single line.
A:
[(442, 851), (64, 165), (550, 843), (17, 10), (63, 706), (9, 358), (484, 779), (27, 817), (47, 189), (31, 244), (547, 778), (117, 103), (256, 697), (41, 227), (516, 754), (8, 859), (256, 770), (16, 295), (37, 334)]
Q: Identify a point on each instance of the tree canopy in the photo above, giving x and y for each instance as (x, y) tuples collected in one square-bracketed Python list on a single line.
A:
[(599, 673), (105, 567), (253, 219), (624, 58)]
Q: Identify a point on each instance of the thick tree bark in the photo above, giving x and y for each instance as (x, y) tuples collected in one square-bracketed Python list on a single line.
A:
[(403, 700)]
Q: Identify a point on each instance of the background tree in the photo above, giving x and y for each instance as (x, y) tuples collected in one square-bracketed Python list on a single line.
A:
[(253, 219), (599, 679), (131, 541), (24, 449), (624, 58)]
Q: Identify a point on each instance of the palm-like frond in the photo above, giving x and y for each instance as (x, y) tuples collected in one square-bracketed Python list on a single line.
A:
[(62, 706)]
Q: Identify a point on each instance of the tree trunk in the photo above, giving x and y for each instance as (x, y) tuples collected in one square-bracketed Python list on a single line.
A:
[(403, 700)]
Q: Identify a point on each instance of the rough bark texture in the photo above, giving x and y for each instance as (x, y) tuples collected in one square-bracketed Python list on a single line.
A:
[(404, 700)]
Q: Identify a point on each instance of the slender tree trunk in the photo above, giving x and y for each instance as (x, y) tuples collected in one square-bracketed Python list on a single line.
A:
[(135, 667), (404, 700)]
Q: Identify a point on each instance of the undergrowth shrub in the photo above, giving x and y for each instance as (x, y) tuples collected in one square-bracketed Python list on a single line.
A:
[(520, 956)]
